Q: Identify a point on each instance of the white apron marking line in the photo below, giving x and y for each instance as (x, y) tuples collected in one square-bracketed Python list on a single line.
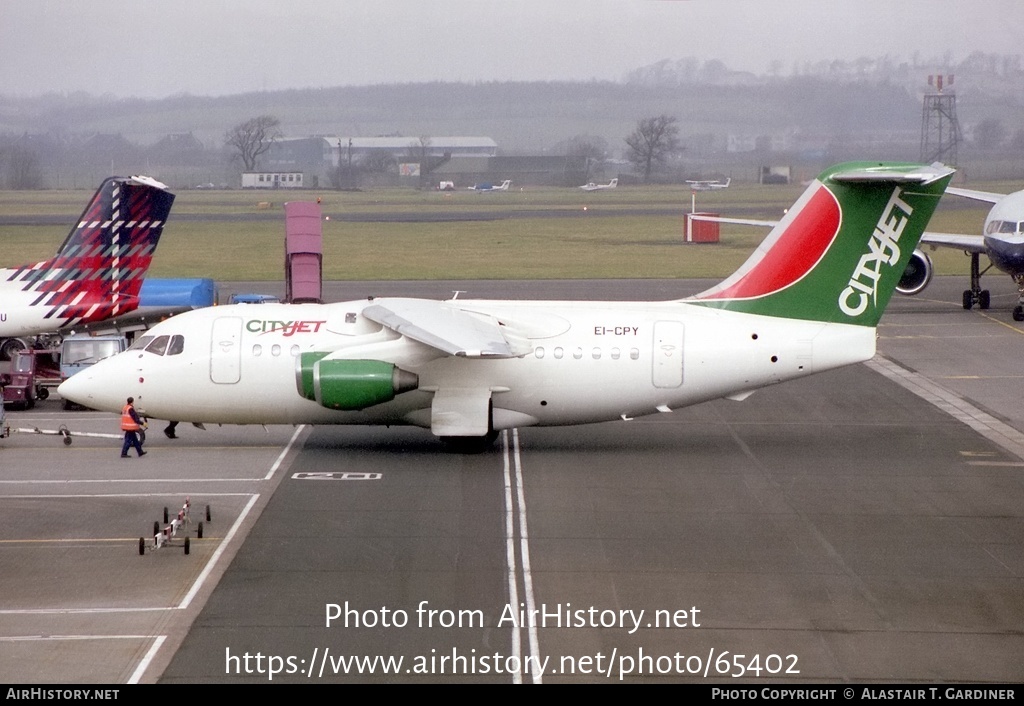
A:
[(515, 518)]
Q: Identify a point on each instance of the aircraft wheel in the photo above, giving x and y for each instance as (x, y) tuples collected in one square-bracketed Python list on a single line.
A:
[(1018, 313), (984, 299), (42, 393), (186, 545), (199, 531), (142, 546), (968, 299)]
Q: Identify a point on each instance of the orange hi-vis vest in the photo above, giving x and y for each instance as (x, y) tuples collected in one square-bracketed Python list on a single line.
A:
[(127, 423)]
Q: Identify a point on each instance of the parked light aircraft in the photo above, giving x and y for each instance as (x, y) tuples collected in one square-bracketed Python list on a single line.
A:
[(807, 300), (1002, 240), (98, 271), (591, 186), (708, 185), (484, 188)]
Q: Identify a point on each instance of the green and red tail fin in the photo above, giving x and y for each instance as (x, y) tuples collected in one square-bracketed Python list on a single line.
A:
[(839, 252)]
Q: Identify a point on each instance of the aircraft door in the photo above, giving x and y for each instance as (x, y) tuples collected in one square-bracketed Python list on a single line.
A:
[(667, 358), (226, 350)]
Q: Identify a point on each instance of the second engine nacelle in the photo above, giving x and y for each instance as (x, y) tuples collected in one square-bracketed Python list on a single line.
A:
[(350, 384), (917, 275)]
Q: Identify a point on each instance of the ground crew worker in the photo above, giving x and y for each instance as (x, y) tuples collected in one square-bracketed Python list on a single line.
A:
[(131, 425)]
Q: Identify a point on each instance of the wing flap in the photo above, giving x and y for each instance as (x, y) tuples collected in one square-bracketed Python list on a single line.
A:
[(447, 328)]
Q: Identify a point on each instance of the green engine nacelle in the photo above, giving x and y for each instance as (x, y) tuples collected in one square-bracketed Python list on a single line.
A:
[(350, 384)]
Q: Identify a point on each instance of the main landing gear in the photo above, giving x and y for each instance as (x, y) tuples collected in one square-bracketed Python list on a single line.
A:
[(977, 295)]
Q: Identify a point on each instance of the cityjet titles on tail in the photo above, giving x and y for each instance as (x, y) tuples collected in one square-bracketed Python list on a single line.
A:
[(882, 250)]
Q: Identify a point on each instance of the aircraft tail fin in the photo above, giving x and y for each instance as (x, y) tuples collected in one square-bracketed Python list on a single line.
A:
[(839, 252), (98, 271)]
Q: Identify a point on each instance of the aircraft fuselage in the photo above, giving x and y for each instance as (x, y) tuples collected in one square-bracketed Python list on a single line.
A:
[(582, 362)]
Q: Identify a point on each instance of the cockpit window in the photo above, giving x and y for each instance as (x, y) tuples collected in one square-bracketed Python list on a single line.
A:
[(176, 346), (159, 345), (141, 343), (1007, 227)]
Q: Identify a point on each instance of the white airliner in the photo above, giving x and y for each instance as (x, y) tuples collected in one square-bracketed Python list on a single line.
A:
[(807, 300), (484, 188), (591, 186), (97, 273), (1002, 240), (708, 185)]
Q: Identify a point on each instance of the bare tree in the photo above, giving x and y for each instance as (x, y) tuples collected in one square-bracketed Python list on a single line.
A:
[(652, 142), (252, 138), (23, 171), (589, 150)]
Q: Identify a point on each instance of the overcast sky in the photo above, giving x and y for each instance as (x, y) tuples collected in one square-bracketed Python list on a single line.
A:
[(213, 47)]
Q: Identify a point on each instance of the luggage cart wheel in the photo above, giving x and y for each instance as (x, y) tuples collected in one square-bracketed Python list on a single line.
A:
[(199, 531), (186, 545), (165, 515), (142, 546), (207, 513)]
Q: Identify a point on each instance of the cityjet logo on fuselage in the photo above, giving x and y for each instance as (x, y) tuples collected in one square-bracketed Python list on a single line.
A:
[(882, 249), (286, 328)]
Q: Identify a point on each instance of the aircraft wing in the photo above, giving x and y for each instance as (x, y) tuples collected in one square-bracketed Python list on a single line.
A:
[(449, 329), (961, 241), (986, 196)]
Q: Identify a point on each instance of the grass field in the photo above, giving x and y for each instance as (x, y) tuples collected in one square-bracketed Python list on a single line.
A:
[(600, 237)]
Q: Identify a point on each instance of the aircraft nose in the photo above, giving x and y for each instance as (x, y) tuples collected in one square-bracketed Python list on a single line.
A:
[(75, 388)]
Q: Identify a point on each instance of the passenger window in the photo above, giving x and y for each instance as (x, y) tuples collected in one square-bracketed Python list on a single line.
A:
[(634, 354), (578, 353), (177, 345), (596, 353), (558, 353), (294, 350), (159, 345), (257, 350), (275, 350), (615, 353), (539, 351)]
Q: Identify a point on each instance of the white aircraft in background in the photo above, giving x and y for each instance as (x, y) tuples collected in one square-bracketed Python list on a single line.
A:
[(600, 187), (1002, 241), (487, 187), (708, 185), (808, 299), (97, 273)]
